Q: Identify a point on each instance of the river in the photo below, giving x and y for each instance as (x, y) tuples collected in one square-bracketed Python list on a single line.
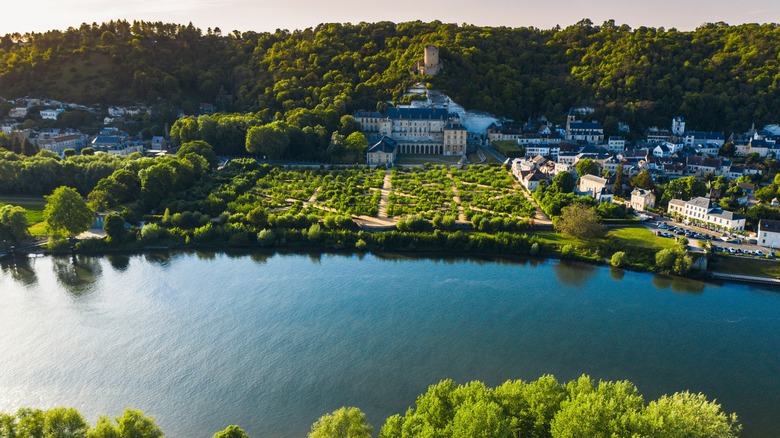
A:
[(273, 341)]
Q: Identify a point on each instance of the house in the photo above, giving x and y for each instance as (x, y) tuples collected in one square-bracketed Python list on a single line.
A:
[(51, 114), (642, 199), (596, 187), (159, 143), (768, 234), (700, 210), (748, 189), (382, 153), (695, 137), (654, 135), (678, 126), (18, 112), (531, 179), (576, 130), (698, 165), (616, 144)]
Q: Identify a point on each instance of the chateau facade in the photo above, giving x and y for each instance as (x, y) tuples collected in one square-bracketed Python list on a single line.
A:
[(428, 131)]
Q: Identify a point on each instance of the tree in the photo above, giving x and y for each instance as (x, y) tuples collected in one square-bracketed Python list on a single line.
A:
[(232, 431), (88, 151), (618, 259), (586, 166), (356, 142), (13, 223), (665, 258), (643, 180), (563, 182), (114, 227), (579, 220), (67, 153), (199, 147), (64, 423), (620, 181), (134, 424), (67, 213), (342, 423), (684, 414), (270, 140)]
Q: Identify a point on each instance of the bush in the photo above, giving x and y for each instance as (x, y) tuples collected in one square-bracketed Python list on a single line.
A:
[(266, 237), (618, 259), (151, 232)]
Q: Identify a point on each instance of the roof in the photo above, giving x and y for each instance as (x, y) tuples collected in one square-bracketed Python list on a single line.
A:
[(728, 215), (700, 202), (106, 139), (679, 202), (641, 192), (594, 178), (418, 113), (707, 135), (585, 125), (385, 144), (769, 225), (747, 186), (364, 113)]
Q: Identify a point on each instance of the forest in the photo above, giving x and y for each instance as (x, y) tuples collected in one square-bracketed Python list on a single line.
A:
[(718, 77)]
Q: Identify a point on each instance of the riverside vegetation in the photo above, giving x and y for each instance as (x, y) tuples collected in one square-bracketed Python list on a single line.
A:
[(542, 408)]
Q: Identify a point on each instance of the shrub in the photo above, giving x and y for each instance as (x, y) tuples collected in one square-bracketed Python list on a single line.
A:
[(618, 259)]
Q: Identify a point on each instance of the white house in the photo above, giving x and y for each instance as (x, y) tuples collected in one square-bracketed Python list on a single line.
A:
[(768, 234), (596, 187), (51, 114), (700, 210), (642, 199)]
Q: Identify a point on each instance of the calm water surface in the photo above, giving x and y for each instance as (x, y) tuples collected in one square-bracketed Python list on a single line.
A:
[(272, 342)]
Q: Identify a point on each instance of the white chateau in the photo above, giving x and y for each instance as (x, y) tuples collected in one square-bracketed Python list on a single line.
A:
[(431, 131)]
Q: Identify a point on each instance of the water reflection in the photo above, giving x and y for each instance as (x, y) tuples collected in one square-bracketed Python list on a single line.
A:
[(616, 273), (160, 258), (21, 270), (77, 275), (119, 262), (678, 284), (574, 274)]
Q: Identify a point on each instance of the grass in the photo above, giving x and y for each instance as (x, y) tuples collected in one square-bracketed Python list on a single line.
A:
[(553, 238), (422, 159), (640, 237), (506, 146), (34, 207), (746, 266)]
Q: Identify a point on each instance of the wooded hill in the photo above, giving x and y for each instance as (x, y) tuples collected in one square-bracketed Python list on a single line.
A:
[(718, 77)]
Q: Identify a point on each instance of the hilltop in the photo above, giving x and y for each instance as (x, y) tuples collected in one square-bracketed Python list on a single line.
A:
[(717, 76)]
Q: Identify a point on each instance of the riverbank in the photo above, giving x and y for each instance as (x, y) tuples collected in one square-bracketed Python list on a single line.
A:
[(640, 254)]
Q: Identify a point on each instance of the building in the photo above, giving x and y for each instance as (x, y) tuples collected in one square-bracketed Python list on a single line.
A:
[(430, 65), (678, 126), (59, 143), (642, 199), (51, 114), (700, 211), (383, 152), (596, 187), (616, 144), (692, 138), (432, 131), (768, 234)]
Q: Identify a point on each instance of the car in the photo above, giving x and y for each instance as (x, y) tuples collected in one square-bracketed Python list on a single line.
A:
[(758, 252), (662, 226)]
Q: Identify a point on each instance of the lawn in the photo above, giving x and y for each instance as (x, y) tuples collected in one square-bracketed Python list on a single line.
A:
[(506, 147), (640, 237), (746, 266), (34, 206)]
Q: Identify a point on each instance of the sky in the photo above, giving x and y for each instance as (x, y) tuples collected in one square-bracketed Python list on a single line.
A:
[(266, 15)]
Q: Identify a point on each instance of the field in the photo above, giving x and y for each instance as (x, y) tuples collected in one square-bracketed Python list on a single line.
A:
[(640, 237), (508, 148), (34, 207)]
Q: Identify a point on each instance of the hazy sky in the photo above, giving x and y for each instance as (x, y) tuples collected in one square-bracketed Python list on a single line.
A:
[(263, 15)]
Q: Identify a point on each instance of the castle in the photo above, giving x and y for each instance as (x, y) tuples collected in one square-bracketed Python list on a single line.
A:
[(430, 64)]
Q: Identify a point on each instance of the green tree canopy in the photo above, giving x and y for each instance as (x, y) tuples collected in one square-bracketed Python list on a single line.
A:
[(270, 140), (342, 423), (232, 431), (579, 220), (13, 223), (199, 147), (67, 213), (587, 166)]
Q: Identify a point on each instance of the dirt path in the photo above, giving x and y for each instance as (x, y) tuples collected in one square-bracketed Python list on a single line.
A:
[(539, 217), (387, 186), (456, 199)]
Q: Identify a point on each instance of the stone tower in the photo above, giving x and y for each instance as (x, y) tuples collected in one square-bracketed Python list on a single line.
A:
[(431, 64)]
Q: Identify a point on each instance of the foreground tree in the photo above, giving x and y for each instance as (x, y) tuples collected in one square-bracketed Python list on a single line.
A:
[(270, 140), (199, 147), (587, 166), (579, 220), (232, 431), (342, 423), (13, 223), (67, 213)]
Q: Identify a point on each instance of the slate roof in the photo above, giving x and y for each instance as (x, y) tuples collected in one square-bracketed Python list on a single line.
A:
[(385, 144), (584, 125), (700, 202), (418, 113), (769, 225)]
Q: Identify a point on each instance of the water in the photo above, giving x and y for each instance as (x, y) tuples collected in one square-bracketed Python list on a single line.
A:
[(272, 342)]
